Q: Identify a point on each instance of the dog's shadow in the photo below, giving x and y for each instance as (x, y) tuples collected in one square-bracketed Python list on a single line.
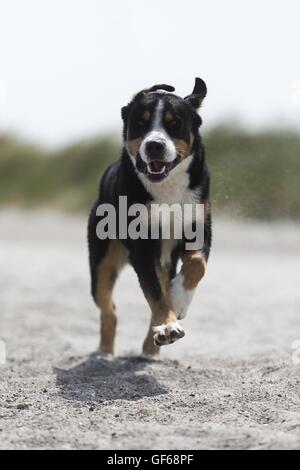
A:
[(98, 379)]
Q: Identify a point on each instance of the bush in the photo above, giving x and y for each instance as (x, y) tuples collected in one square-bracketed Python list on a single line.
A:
[(253, 175)]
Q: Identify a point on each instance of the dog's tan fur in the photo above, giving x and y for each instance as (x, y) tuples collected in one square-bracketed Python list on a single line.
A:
[(183, 148), (193, 269), (146, 115), (168, 116), (134, 146), (107, 272)]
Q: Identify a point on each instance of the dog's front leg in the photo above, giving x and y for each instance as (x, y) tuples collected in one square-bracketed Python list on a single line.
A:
[(184, 284), (164, 326)]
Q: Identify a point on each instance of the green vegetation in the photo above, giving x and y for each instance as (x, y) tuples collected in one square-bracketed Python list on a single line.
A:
[(253, 175), (68, 178)]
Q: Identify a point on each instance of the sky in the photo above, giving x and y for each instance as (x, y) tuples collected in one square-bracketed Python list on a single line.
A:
[(68, 66)]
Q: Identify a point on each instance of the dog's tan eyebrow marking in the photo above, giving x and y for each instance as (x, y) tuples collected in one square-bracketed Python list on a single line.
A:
[(168, 116), (146, 115)]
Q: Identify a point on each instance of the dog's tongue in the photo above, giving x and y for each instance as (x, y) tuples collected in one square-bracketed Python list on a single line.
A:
[(157, 165)]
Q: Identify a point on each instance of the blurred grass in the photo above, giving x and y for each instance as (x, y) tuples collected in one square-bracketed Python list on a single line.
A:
[(253, 175)]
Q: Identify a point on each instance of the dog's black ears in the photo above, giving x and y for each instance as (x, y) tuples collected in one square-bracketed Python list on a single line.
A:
[(198, 94), (164, 87), (124, 112)]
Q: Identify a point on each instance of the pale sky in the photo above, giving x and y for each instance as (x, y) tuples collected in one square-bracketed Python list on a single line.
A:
[(67, 66)]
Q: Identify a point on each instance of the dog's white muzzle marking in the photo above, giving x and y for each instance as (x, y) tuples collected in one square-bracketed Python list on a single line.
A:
[(161, 137)]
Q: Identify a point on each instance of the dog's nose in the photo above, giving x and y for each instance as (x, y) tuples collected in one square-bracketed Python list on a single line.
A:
[(155, 149)]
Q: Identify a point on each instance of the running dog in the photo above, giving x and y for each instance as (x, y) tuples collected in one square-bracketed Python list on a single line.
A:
[(162, 162)]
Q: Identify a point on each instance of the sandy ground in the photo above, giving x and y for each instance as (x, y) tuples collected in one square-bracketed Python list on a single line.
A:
[(230, 383)]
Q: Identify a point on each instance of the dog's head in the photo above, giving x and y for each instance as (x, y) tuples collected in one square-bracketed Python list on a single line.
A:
[(160, 128)]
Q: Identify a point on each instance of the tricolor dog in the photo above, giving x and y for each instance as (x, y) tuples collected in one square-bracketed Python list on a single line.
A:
[(162, 162)]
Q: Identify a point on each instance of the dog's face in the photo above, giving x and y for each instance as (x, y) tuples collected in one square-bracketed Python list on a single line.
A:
[(160, 128)]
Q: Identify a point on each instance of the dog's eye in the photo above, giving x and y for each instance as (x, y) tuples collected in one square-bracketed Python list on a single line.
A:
[(141, 123), (175, 123)]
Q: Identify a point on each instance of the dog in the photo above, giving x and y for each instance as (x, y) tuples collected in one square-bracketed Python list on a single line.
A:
[(162, 161)]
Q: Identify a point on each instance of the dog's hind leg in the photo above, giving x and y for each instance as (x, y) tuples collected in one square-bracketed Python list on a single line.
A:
[(105, 275)]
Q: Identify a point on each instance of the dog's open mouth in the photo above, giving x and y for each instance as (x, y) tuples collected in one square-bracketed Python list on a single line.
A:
[(157, 167), (156, 170)]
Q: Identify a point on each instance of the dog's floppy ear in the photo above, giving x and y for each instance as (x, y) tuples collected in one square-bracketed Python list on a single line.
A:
[(164, 87), (124, 112), (198, 94)]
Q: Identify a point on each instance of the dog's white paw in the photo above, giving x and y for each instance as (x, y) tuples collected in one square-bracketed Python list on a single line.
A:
[(180, 298), (167, 334)]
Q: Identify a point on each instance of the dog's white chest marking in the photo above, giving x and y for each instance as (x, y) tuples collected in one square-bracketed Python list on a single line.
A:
[(173, 190)]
